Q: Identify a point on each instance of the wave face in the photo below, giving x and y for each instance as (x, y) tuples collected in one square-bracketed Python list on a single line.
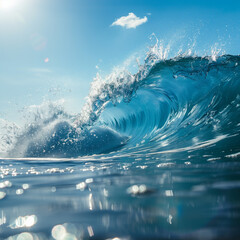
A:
[(182, 104), (175, 105)]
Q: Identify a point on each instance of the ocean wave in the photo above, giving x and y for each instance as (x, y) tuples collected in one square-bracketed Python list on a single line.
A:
[(181, 104)]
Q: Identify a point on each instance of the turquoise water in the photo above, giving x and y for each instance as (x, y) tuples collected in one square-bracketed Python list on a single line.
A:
[(154, 155)]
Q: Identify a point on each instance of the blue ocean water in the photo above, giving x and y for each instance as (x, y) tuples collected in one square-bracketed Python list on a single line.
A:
[(152, 155)]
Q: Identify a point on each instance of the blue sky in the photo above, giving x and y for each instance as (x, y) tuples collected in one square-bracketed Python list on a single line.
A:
[(49, 49)]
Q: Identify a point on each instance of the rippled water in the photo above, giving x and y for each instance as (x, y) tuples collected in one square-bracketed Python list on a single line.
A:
[(122, 198), (153, 155)]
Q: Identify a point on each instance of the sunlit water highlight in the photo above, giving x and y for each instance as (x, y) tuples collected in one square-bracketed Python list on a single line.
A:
[(154, 155)]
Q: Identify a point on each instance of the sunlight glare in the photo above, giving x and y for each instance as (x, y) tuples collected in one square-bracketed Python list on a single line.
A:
[(8, 4)]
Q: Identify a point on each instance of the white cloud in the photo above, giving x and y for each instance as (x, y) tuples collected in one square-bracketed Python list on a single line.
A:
[(130, 21)]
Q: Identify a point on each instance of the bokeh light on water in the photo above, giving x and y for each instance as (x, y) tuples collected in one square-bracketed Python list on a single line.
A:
[(119, 200)]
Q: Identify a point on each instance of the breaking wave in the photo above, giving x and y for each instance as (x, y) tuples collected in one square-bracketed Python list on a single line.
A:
[(185, 103)]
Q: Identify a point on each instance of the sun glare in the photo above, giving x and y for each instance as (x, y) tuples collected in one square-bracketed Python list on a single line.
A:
[(8, 4)]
